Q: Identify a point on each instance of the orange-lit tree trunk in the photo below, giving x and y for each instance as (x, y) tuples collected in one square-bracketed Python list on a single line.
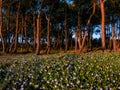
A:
[(119, 34), (78, 33), (13, 46), (38, 33), (1, 35), (88, 23), (102, 24), (37, 30), (17, 27), (119, 40)]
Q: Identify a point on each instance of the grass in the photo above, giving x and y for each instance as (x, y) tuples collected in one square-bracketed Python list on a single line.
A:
[(61, 71)]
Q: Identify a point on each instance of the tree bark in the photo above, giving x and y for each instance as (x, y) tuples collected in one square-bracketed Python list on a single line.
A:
[(25, 31), (8, 31), (114, 39), (48, 34), (79, 32), (22, 34), (119, 40), (34, 31), (16, 32), (15, 39), (102, 24), (65, 27), (88, 23), (76, 40), (1, 34), (66, 32), (83, 41), (38, 33)]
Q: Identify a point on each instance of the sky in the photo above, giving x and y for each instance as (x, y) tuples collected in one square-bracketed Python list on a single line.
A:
[(69, 1)]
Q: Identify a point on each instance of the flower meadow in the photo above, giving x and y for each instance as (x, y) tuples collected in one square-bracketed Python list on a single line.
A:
[(89, 71)]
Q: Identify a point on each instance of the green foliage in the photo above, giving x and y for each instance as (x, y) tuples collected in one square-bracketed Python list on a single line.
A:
[(62, 71)]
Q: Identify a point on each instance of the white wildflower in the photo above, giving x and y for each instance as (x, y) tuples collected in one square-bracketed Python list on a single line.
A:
[(36, 86), (78, 82)]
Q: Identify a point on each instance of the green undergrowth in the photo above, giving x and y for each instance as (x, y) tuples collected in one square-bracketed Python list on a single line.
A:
[(90, 71)]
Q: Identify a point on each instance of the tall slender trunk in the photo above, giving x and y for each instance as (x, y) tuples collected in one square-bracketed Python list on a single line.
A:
[(88, 24), (15, 39), (65, 27), (38, 33), (79, 32), (1, 35), (89, 39), (25, 30), (66, 32), (76, 40), (114, 39), (16, 33), (109, 45), (102, 24), (8, 31), (118, 33), (34, 31), (21, 36), (48, 33), (83, 41)]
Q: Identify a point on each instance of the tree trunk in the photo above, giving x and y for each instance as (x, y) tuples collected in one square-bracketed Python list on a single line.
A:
[(76, 40), (118, 34), (102, 24), (25, 32), (15, 39), (65, 27), (35, 36), (119, 40), (16, 33), (66, 32), (1, 35), (79, 32), (34, 31), (48, 34), (22, 34), (114, 39), (90, 39), (83, 41), (88, 24), (38, 34), (8, 31)]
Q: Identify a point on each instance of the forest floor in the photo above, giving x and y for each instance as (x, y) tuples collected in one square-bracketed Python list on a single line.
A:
[(62, 71), (8, 57)]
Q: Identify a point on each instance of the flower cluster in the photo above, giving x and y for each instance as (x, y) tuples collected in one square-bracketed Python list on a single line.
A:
[(66, 71)]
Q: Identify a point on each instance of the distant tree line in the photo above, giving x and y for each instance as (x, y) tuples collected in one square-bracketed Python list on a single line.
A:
[(46, 25)]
